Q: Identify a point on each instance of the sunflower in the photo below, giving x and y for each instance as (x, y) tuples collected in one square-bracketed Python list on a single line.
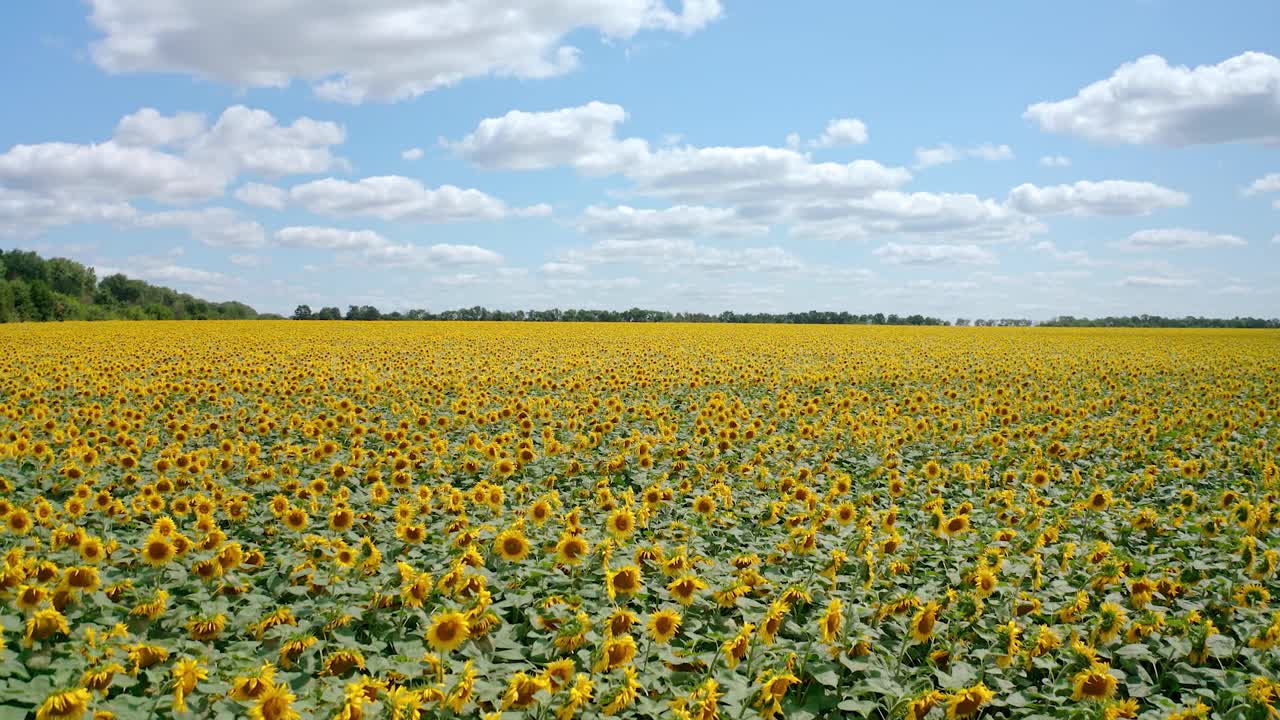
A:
[(704, 505), (685, 588), (29, 597), (620, 622), (448, 631), (966, 702), (157, 551), (616, 652), (1099, 500), (274, 702), (511, 545), (1111, 621), (206, 628), (621, 523), (954, 526), (925, 621), (186, 673), (522, 691), (832, 621), (558, 673), (44, 624), (624, 581), (296, 519), (65, 705), (735, 648), (571, 549), (773, 687), (918, 708), (1093, 683), (663, 625)]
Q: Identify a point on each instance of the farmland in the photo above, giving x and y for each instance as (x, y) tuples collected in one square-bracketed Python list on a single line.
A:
[(285, 519)]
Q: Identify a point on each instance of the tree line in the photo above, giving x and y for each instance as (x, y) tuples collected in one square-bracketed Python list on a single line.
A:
[(33, 289), (811, 317)]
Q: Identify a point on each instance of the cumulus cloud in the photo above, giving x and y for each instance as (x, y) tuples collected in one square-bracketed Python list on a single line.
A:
[(413, 153), (216, 226), (1108, 197), (394, 197), (564, 268), (1157, 281), (583, 137), (1179, 239), (172, 159), (27, 214), (1055, 161), (673, 254), (1266, 184), (327, 238), (921, 213), (898, 254), (375, 249), (842, 131), (352, 52), (946, 153), (680, 221), (148, 128), (1073, 257), (260, 195), (1150, 102)]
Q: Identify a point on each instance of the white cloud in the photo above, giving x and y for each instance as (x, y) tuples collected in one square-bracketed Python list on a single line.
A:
[(217, 226), (1157, 281), (179, 273), (326, 238), (1265, 184), (394, 197), (947, 153), (1179, 239), (1055, 161), (260, 195), (940, 155), (1151, 102), (793, 141), (108, 171), (254, 141), (1073, 257), (413, 153), (172, 159), (581, 136), (1275, 239), (563, 268), (842, 131), (148, 128), (248, 260), (681, 221), (987, 151), (921, 213), (27, 214), (673, 254), (352, 52), (759, 177), (1108, 197), (375, 249), (896, 254)]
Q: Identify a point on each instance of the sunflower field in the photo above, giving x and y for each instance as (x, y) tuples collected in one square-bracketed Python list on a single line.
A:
[(281, 520)]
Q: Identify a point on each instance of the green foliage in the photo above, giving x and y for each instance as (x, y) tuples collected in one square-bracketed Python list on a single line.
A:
[(33, 289)]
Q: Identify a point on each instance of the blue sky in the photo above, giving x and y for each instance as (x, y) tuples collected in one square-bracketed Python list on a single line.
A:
[(989, 160)]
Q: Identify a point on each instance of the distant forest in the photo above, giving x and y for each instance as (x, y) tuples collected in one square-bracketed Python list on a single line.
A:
[(33, 289)]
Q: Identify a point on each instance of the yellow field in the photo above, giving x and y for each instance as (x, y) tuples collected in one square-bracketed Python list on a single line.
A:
[(341, 519)]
